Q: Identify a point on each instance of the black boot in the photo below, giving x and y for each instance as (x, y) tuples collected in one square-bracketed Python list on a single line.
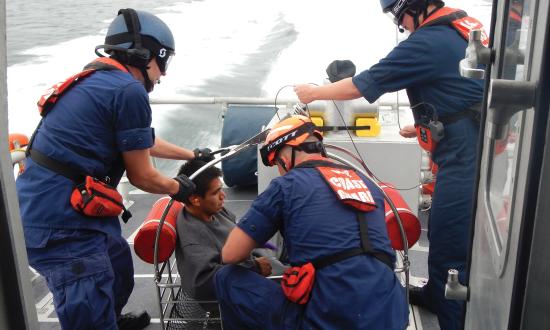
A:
[(131, 321), (417, 298)]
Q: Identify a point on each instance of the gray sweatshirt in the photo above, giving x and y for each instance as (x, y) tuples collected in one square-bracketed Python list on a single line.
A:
[(198, 251)]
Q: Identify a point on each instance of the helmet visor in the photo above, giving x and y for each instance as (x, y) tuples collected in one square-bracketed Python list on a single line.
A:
[(265, 157), (397, 11), (163, 58), (397, 20), (394, 19)]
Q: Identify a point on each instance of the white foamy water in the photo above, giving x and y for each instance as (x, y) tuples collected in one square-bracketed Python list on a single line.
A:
[(215, 37)]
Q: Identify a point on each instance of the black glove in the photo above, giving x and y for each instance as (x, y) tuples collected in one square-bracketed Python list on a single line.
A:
[(203, 154), (187, 187)]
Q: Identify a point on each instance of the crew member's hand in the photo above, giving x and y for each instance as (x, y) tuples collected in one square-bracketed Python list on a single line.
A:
[(408, 131), (305, 92), (187, 187), (203, 154), (264, 266)]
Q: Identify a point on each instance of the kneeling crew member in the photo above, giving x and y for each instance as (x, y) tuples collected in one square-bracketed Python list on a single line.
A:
[(332, 222)]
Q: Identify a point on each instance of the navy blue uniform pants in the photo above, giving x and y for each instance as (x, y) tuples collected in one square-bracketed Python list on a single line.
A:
[(89, 273), (250, 301), (450, 218)]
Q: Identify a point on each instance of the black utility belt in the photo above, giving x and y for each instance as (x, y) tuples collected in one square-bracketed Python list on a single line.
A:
[(468, 113), (339, 256), (298, 281), (91, 197), (431, 129)]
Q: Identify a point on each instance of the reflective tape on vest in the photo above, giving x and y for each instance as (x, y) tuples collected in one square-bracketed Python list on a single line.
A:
[(348, 187)]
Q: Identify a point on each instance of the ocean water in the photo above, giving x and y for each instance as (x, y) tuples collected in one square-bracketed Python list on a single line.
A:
[(223, 48)]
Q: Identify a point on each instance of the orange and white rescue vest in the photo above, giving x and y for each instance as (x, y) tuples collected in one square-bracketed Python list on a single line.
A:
[(52, 94), (459, 20), (348, 187)]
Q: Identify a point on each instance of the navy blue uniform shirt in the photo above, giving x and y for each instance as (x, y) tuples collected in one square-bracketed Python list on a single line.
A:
[(89, 127), (359, 292), (426, 64)]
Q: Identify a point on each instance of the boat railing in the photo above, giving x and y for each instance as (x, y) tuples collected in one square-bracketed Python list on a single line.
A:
[(226, 101)]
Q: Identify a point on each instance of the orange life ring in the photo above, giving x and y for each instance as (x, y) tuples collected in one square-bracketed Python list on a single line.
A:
[(18, 140)]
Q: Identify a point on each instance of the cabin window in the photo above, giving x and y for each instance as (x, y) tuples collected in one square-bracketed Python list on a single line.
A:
[(504, 162)]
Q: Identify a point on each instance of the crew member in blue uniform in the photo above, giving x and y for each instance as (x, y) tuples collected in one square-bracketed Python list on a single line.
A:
[(445, 106), (331, 219), (99, 127)]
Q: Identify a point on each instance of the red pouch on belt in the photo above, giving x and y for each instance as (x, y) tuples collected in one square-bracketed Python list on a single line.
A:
[(298, 282), (95, 198)]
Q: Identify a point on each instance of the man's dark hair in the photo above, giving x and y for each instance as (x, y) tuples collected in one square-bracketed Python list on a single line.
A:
[(203, 180)]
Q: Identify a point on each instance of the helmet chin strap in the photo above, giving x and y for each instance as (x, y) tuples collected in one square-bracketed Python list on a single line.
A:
[(293, 158), (282, 163), (146, 80), (307, 147)]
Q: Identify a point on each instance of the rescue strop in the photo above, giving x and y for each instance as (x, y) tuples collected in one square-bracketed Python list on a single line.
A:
[(91, 196), (344, 128), (298, 281)]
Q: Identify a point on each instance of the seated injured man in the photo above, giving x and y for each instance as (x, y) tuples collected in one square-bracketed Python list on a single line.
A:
[(203, 226)]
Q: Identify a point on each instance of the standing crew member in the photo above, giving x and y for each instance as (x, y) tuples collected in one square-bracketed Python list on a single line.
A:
[(332, 221), (95, 126), (444, 107)]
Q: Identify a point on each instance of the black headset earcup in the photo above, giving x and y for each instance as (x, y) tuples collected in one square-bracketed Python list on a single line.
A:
[(138, 57)]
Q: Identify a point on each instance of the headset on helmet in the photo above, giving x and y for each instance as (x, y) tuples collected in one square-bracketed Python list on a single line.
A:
[(291, 131), (398, 8), (134, 37)]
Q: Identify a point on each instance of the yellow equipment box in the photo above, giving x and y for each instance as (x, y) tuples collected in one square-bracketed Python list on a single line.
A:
[(374, 126), (318, 121)]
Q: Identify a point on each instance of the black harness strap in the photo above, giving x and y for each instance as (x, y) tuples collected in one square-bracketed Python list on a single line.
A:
[(366, 248), (316, 163), (334, 258), (55, 166)]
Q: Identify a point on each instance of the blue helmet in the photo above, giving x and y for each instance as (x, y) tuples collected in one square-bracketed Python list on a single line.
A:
[(397, 8), (387, 4), (137, 37)]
